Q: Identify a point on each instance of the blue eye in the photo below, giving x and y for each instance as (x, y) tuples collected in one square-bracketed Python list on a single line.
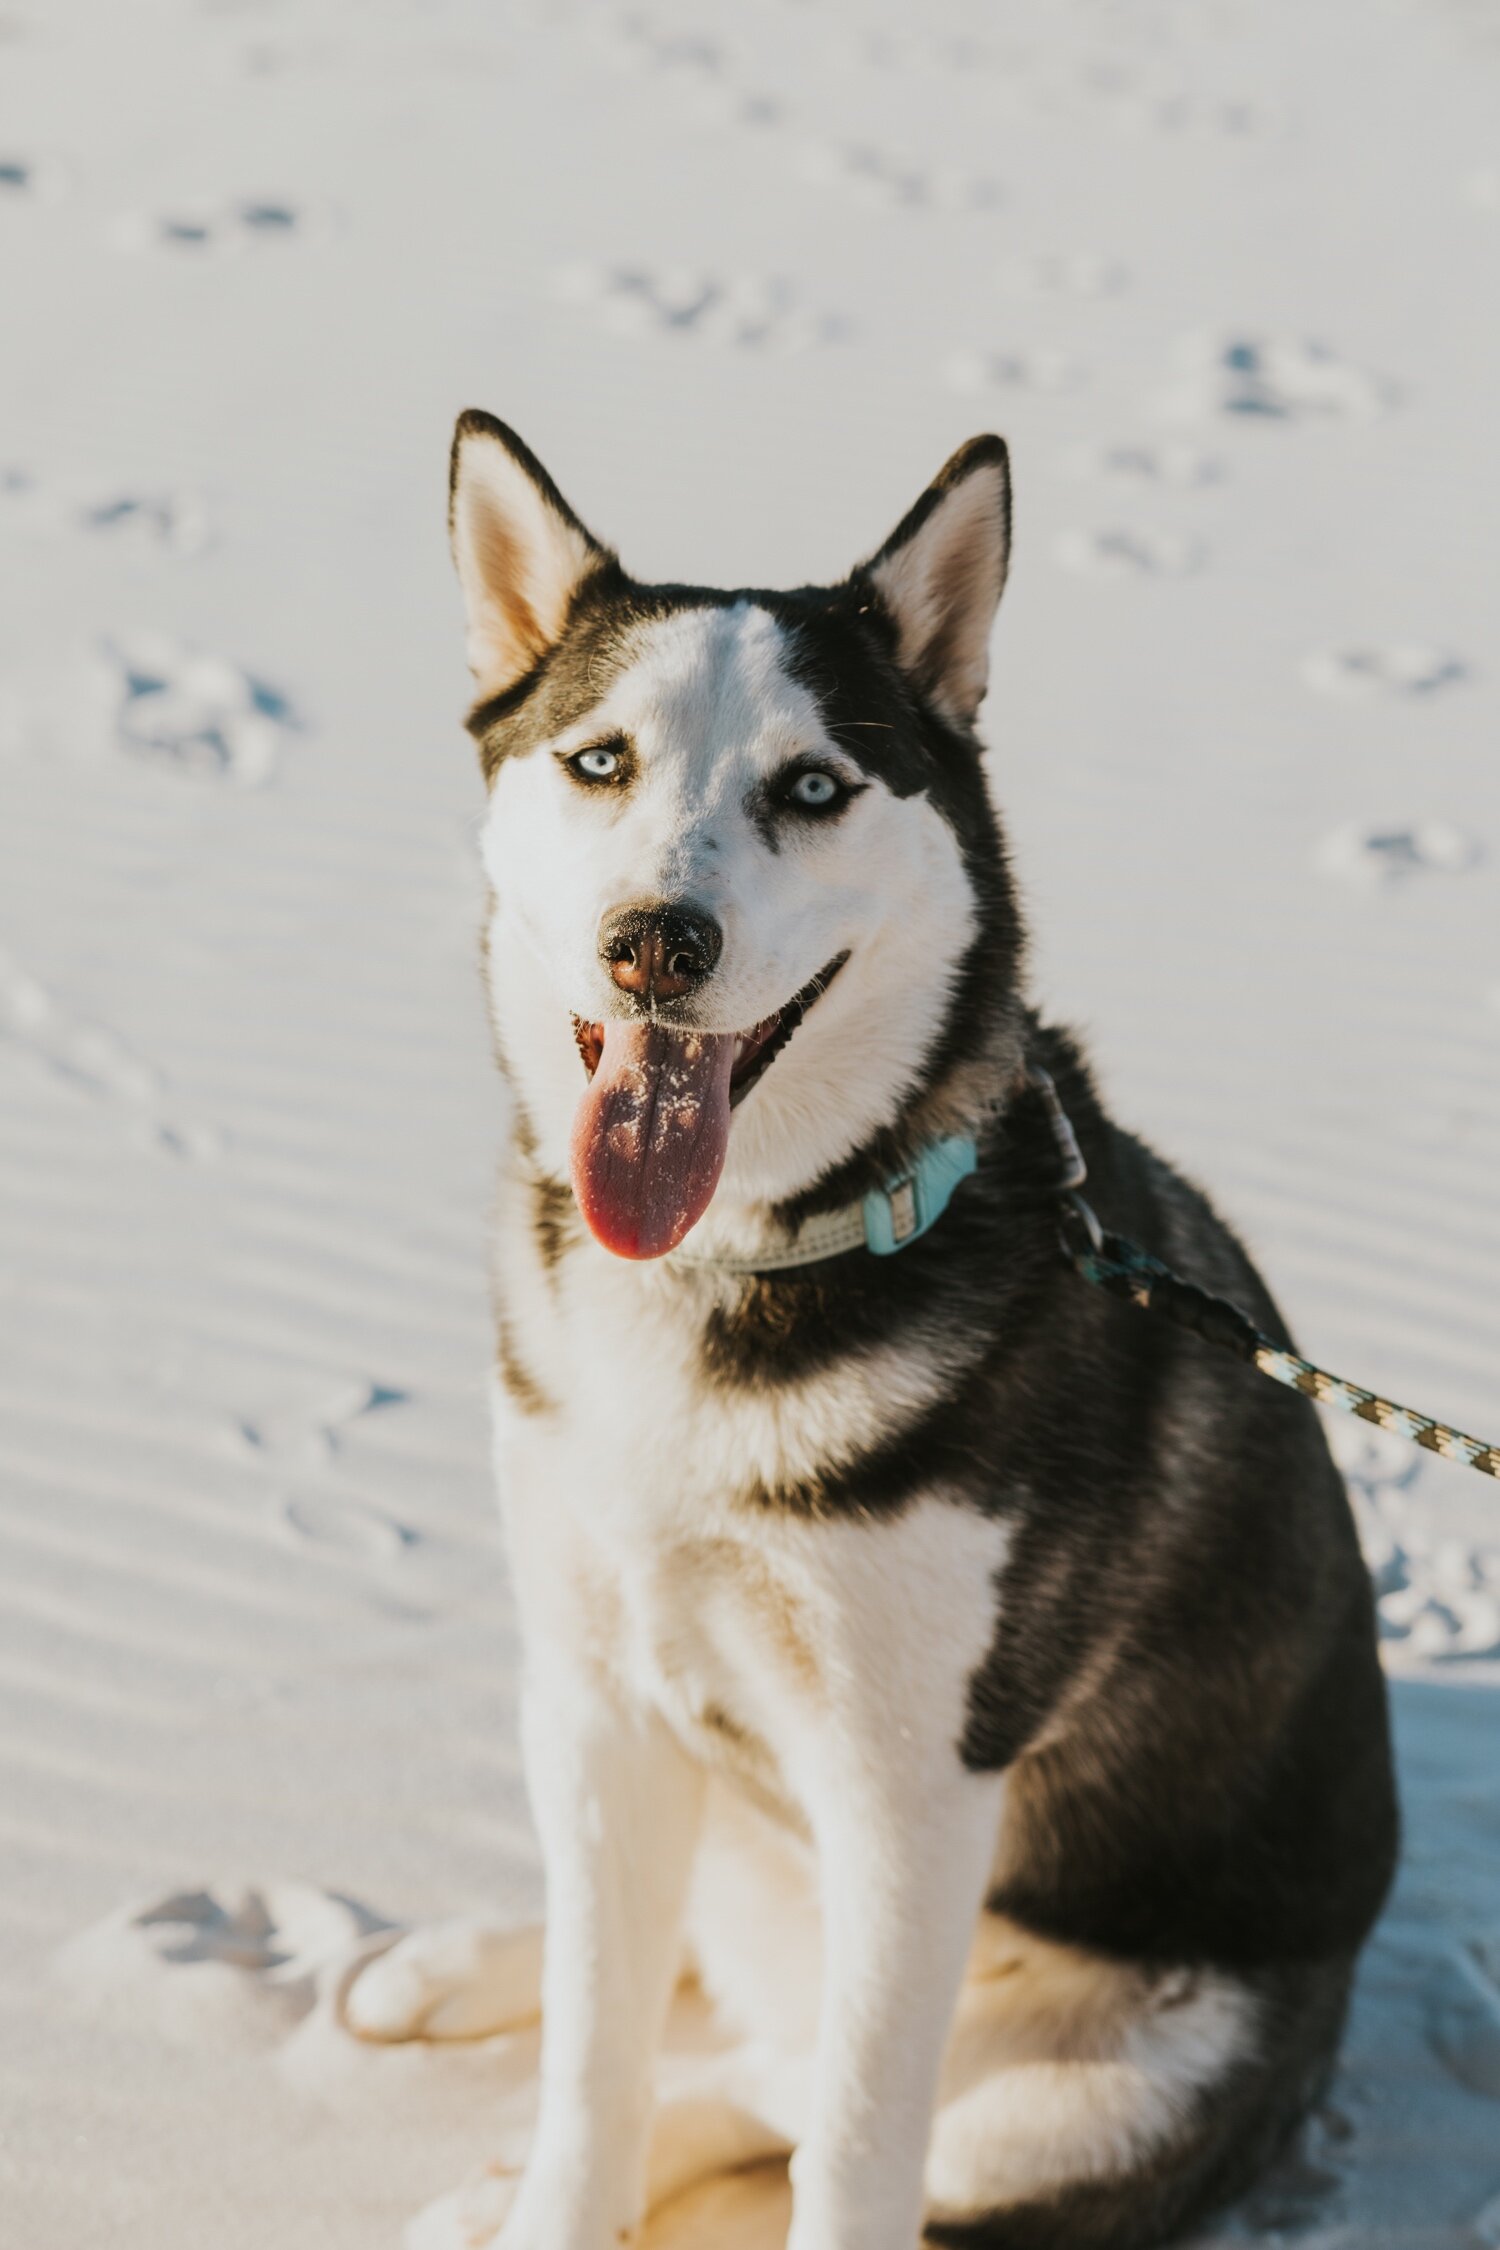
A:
[(816, 791), (597, 764)]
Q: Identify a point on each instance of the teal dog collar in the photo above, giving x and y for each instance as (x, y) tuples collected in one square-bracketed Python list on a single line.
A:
[(886, 1220)]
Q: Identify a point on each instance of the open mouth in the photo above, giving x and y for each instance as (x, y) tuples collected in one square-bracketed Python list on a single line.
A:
[(754, 1050), (651, 1131)]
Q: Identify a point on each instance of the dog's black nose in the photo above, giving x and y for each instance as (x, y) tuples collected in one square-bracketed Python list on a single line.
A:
[(659, 952)]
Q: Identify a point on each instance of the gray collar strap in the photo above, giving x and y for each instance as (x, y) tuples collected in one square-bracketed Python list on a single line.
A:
[(886, 1220)]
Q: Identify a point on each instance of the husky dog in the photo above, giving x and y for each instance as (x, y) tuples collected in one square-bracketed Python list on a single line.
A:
[(969, 1680)]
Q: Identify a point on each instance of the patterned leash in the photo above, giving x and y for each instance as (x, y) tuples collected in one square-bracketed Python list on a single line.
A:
[(1125, 1270)]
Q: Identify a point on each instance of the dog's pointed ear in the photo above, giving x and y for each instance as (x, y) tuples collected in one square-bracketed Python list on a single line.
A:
[(521, 552), (941, 573)]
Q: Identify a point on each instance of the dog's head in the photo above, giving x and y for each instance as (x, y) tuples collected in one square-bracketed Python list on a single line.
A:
[(752, 919)]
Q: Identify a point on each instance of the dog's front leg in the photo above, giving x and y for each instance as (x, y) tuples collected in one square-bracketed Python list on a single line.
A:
[(902, 1877), (617, 1806), (906, 1837)]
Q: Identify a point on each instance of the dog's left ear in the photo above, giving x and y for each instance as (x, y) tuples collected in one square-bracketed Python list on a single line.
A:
[(940, 575), (521, 552)]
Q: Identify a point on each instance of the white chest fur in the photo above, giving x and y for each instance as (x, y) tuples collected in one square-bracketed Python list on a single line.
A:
[(647, 1506)]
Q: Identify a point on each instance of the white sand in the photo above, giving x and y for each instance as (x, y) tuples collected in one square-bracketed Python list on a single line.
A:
[(1227, 275)]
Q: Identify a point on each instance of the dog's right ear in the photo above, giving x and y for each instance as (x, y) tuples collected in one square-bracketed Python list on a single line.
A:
[(941, 573), (521, 552)]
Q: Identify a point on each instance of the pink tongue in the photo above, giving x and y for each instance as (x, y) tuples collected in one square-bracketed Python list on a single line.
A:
[(650, 1134)]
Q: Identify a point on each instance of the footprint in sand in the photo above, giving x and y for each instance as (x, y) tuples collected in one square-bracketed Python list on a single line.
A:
[(1183, 466), (309, 1433), (175, 521), (744, 311), (1117, 553), (199, 714), (1272, 379), (1154, 102), (96, 1062), (881, 180), (219, 230), (1404, 669), (349, 1529), (297, 1443), (1041, 370), (1439, 1598), (243, 1960), (268, 1968), (1372, 1459), (1384, 856)]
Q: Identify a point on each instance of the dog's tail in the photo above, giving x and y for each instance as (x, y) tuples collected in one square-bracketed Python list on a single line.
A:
[(1239, 2126)]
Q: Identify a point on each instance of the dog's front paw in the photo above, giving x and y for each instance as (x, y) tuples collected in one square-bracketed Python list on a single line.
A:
[(496, 2209), (463, 1979), (472, 2217)]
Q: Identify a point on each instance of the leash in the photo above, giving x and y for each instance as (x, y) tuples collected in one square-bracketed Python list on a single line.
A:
[(1123, 1269), (891, 1217)]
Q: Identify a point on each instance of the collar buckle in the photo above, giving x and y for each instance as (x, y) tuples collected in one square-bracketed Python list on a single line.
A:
[(914, 1200)]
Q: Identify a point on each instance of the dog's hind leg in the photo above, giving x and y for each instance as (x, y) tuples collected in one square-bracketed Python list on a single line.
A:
[(459, 1979), (1090, 2105)]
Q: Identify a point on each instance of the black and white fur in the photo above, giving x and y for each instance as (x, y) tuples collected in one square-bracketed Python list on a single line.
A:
[(970, 1680)]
